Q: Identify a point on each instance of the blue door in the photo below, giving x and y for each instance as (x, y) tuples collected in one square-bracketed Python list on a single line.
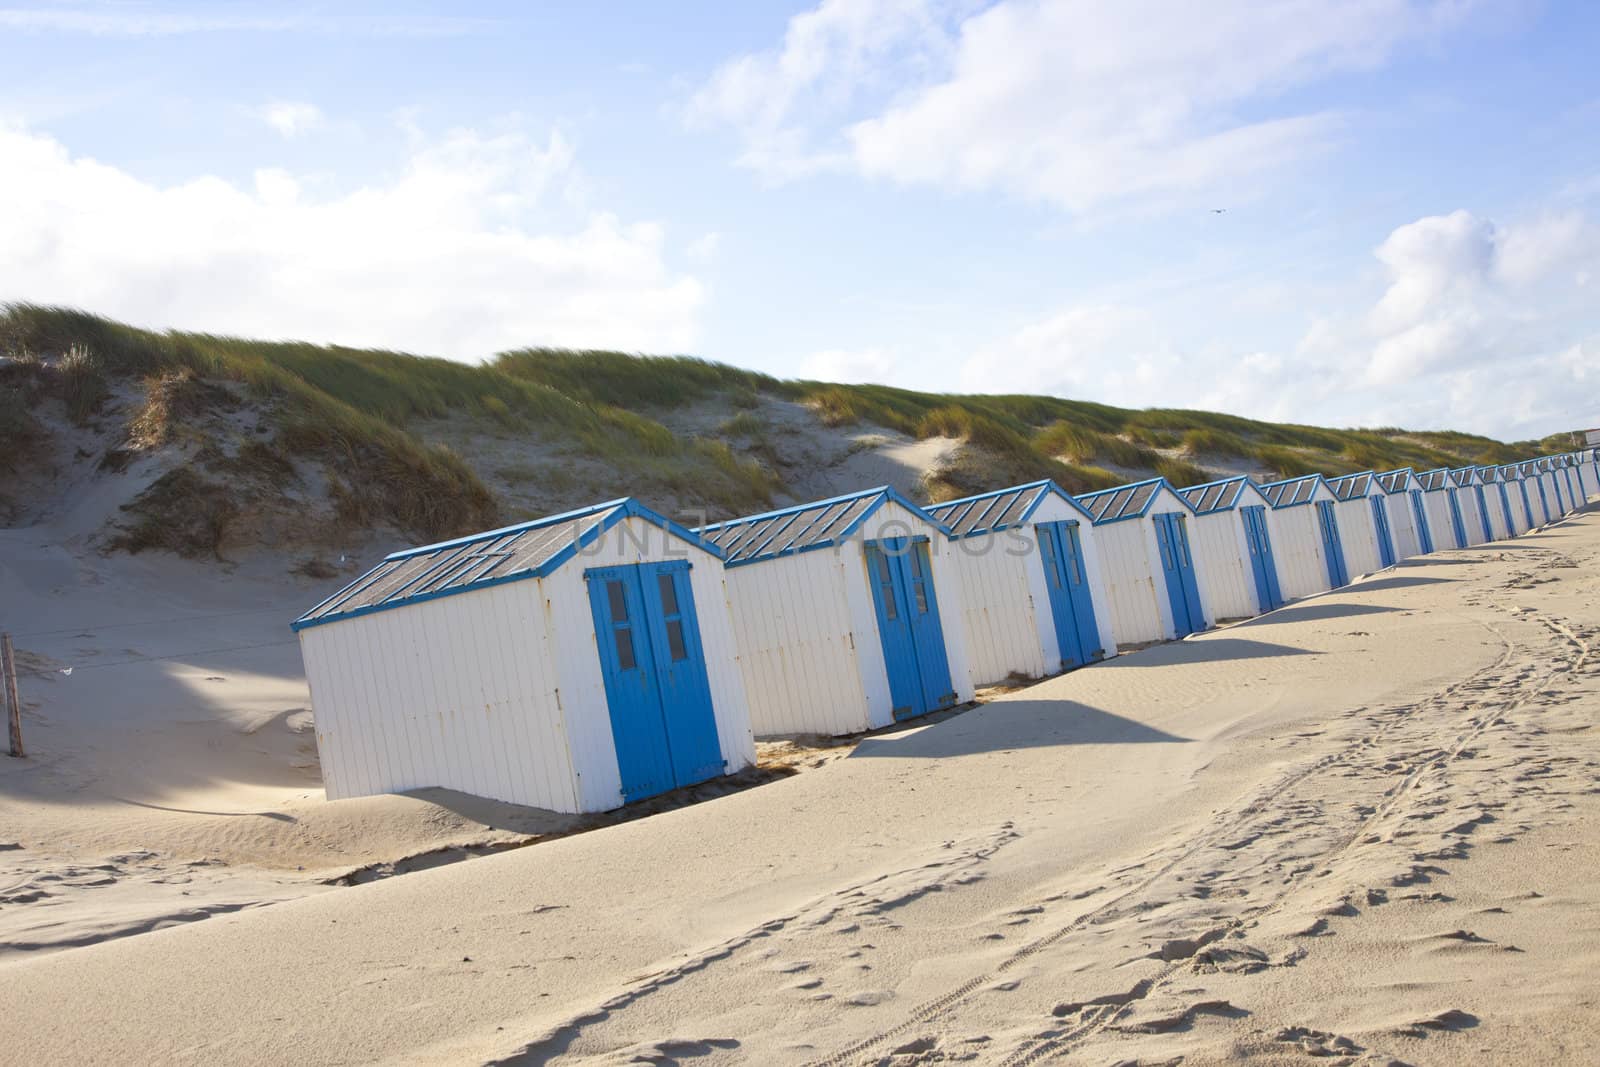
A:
[(1505, 509), (908, 626), (1527, 505), (657, 693), (1420, 514), (1269, 594), (1561, 503), (1380, 519), (1544, 499), (1332, 547), (1178, 565), (1071, 605), (1457, 524), (1483, 513)]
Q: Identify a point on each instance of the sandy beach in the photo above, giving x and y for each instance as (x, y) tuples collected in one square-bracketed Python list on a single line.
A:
[(1363, 826)]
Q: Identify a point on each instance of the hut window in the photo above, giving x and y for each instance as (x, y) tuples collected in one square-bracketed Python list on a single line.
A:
[(675, 640), (621, 629), (890, 609), (669, 595), (919, 579)]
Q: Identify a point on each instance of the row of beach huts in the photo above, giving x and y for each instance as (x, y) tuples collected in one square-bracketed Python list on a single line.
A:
[(593, 658)]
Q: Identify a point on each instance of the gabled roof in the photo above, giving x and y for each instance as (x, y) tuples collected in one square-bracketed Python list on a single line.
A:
[(526, 550), (1486, 475), (1351, 486), (1221, 495), (1434, 480), (1292, 492), (1529, 468), (801, 528), (1123, 502), (1396, 481), (999, 510), (1464, 476)]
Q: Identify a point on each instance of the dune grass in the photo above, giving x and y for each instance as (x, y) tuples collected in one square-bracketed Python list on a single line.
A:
[(363, 415)]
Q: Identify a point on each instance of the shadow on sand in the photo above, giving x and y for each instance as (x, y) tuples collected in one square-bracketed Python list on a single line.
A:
[(1014, 724)]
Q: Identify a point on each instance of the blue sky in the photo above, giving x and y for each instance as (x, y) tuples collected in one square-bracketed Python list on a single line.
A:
[(1007, 196)]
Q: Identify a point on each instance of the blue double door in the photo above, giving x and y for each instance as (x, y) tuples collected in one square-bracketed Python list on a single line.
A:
[(657, 692), (1483, 513), (1380, 523), (1177, 565), (1262, 564), (1071, 604), (1332, 547), (1419, 512), (901, 576)]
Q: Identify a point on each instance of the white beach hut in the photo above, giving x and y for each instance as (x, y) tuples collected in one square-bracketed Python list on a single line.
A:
[(1408, 521), (1309, 550), (1443, 510), (1031, 592), (1231, 536), (1496, 503), (1469, 497), (572, 663), (1538, 495), (847, 614), (1146, 562), (1588, 475), (1579, 495), (1516, 489), (1555, 495), (1364, 513)]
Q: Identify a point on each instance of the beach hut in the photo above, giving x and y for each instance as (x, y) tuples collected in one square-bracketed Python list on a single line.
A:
[(1521, 504), (1469, 498), (1554, 493), (1031, 594), (1231, 538), (1146, 562), (1369, 541), (847, 613), (1496, 503), (1579, 495), (1442, 508), (1310, 551), (1543, 511), (1408, 522), (1588, 476), (573, 663)]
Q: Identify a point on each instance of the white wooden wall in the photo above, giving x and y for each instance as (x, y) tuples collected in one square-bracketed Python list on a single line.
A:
[(1302, 568), (1498, 522), (1135, 587), (498, 692), (1402, 525), (459, 692), (1358, 535), (1437, 505), (1222, 564), (1010, 630), (798, 646), (1471, 515)]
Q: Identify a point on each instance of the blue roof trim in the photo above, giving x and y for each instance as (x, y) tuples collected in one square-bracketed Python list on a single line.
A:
[(612, 513)]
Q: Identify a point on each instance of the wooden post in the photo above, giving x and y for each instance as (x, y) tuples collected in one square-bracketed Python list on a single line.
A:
[(8, 672)]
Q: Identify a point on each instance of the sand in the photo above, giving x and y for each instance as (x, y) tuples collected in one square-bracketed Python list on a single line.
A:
[(1363, 827)]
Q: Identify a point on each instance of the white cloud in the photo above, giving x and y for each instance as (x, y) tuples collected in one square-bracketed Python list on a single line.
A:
[(456, 254), (1476, 326), (1073, 102), (703, 249), (857, 365), (291, 118)]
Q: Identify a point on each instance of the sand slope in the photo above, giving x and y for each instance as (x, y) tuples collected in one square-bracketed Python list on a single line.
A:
[(1284, 838)]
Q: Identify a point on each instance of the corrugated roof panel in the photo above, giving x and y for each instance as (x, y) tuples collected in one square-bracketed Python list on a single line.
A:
[(1394, 481), (1213, 496), (795, 529), (1435, 479), (456, 566), (1291, 492)]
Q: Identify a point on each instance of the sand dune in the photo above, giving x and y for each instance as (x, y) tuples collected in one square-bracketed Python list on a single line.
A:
[(1364, 827)]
